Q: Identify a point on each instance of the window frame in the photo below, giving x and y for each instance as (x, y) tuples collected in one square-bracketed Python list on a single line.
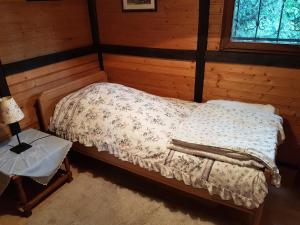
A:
[(226, 44)]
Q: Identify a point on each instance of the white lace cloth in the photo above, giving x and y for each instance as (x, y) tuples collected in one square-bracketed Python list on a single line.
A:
[(40, 162)]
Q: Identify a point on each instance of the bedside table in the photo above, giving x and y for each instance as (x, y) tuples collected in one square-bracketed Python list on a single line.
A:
[(41, 163)]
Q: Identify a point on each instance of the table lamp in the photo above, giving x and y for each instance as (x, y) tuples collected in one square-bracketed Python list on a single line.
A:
[(10, 113)]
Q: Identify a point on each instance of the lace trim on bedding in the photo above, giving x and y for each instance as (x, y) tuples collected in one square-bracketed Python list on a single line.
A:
[(167, 172)]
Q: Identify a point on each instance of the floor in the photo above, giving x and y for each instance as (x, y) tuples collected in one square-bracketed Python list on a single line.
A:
[(102, 194)]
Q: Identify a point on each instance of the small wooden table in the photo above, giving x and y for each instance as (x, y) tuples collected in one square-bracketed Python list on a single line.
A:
[(26, 204), (45, 162)]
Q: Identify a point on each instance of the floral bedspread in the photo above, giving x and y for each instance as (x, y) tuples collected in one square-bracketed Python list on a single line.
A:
[(137, 127)]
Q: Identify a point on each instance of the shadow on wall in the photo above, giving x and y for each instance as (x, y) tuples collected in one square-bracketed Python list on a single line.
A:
[(289, 151), (4, 132)]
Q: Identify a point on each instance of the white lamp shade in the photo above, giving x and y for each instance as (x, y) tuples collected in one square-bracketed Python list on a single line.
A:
[(10, 112)]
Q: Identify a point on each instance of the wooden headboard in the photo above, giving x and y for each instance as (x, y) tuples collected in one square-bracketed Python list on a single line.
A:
[(48, 99)]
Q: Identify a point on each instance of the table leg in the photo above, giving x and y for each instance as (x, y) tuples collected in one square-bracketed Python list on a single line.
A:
[(22, 196)]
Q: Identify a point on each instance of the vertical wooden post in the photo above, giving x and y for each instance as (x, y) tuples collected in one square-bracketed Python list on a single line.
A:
[(95, 30), (201, 48)]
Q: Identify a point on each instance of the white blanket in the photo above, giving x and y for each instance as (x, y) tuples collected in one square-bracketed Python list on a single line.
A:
[(227, 132)]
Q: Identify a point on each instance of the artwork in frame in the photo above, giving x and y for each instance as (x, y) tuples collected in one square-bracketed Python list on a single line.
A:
[(139, 5)]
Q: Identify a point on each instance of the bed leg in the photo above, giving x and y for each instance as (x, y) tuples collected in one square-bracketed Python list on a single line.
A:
[(256, 217), (68, 170)]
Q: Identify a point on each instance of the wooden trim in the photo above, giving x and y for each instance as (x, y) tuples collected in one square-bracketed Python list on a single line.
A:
[(265, 59), (188, 55), (227, 23), (4, 91), (95, 30), (227, 44), (29, 64), (203, 23)]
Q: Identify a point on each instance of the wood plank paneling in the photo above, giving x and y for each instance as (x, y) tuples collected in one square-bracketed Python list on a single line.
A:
[(162, 77), (215, 24), (27, 86), (261, 84), (173, 26), (31, 29)]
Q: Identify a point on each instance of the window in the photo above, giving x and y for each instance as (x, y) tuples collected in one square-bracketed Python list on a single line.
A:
[(261, 25)]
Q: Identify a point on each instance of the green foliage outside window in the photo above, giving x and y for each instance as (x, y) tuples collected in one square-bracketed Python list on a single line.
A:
[(267, 21)]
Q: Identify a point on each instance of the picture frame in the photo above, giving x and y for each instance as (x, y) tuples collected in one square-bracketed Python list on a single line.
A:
[(139, 5)]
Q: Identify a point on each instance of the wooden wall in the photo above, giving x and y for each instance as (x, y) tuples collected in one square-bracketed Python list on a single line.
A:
[(31, 29), (173, 26), (169, 78), (26, 87), (252, 83), (215, 24)]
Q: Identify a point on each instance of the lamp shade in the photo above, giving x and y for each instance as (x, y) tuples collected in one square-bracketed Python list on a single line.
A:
[(10, 112)]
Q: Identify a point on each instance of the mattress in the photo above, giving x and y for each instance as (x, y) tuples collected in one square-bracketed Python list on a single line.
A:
[(137, 127)]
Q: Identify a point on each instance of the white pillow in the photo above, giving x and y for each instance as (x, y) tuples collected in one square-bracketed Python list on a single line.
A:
[(246, 106)]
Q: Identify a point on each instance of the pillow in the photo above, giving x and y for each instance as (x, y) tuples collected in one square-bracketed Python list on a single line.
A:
[(246, 106)]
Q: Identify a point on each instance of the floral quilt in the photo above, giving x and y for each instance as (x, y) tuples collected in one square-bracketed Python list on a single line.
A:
[(137, 127)]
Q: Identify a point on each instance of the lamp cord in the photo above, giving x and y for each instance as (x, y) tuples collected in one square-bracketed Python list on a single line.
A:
[(40, 138), (32, 141)]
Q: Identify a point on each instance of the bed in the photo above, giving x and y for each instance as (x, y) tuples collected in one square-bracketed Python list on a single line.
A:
[(172, 168)]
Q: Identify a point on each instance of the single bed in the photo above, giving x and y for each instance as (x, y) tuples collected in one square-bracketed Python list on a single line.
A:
[(191, 174)]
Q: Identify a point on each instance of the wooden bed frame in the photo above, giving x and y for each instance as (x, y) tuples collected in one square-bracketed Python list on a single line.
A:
[(46, 105)]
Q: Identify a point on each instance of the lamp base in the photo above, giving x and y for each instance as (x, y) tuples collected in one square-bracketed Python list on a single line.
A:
[(22, 147)]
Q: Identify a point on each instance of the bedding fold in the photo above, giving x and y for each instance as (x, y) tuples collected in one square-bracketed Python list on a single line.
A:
[(237, 133)]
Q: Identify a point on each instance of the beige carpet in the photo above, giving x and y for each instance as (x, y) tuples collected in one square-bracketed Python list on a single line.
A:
[(92, 201), (101, 194)]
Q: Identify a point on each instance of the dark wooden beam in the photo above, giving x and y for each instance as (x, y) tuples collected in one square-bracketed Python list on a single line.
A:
[(279, 60), (29, 64), (203, 22), (4, 91), (95, 30), (150, 52)]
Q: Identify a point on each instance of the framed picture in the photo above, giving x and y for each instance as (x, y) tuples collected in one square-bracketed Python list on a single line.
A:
[(139, 5)]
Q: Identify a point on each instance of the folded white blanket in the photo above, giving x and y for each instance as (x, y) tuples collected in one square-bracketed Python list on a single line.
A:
[(232, 134)]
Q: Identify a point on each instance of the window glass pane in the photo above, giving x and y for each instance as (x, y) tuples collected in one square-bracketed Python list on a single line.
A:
[(245, 17), (269, 19), (266, 21), (290, 28)]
